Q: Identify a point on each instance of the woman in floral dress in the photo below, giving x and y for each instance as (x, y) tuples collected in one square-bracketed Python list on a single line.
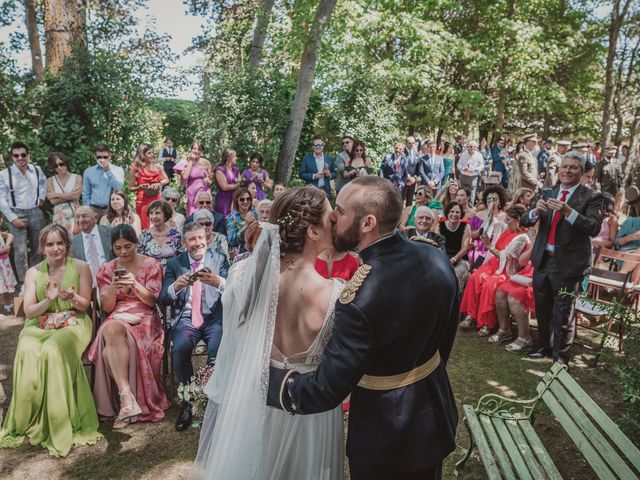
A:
[(160, 240)]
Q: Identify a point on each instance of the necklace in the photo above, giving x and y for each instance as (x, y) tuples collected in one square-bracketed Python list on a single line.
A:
[(448, 223)]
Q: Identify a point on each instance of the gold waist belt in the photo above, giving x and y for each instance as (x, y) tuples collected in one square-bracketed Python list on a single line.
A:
[(372, 382)]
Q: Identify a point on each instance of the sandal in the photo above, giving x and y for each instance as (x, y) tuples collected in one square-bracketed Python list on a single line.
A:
[(467, 323), (484, 331), (514, 347), (128, 412), (501, 336)]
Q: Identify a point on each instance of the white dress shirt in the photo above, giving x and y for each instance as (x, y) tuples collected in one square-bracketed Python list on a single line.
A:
[(473, 162), (320, 167), (26, 190), (86, 238)]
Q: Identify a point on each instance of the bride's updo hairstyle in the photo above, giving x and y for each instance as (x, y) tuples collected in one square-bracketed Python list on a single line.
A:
[(293, 211)]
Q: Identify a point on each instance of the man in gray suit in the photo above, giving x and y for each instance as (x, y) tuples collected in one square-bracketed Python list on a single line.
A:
[(93, 243)]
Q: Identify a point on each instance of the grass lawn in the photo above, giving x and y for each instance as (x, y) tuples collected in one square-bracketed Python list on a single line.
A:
[(149, 451)]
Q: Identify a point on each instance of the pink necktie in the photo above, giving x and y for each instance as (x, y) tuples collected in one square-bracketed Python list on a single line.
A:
[(196, 300), (551, 240)]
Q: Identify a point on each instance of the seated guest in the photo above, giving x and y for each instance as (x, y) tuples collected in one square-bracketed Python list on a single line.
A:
[(426, 220), (239, 219), (119, 212), (522, 197), (93, 243), (253, 232), (278, 188), (448, 192), (457, 238), (264, 210), (463, 197), (160, 241), (215, 241), (197, 309), (128, 348), (515, 298), (51, 401), (254, 192), (334, 264), (503, 260), (172, 197), (205, 200), (487, 221), (607, 236), (423, 198)]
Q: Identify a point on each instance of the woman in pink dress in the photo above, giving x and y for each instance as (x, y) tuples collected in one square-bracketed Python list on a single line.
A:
[(227, 177), (128, 347), (195, 173)]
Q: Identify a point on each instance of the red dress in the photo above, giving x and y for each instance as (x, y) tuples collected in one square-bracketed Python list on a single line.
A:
[(146, 347), (343, 268), (149, 176), (522, 293), (479, 297)]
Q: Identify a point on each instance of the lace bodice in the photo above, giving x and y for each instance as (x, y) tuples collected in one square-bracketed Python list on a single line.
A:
[(308, 360)]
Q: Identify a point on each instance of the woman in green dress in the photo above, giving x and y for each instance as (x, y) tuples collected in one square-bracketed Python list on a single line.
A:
[(52, 403)]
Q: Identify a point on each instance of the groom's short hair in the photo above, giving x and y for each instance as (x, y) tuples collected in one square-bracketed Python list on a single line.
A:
[(381, 199)]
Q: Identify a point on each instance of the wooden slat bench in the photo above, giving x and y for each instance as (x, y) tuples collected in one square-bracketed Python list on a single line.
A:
[(502, 430)]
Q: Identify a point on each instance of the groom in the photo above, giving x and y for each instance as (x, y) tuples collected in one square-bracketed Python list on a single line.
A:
[(394, 329)]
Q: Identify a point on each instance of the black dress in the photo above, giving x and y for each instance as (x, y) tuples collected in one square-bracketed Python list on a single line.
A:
[(453, 240)]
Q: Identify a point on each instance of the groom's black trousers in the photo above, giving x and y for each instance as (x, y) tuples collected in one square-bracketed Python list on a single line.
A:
[(356, 473)]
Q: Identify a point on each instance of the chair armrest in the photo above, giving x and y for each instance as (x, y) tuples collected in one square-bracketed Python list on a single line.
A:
[(498, 406)]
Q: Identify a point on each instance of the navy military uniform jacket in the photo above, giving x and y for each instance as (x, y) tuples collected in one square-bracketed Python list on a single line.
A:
[(405, 311)]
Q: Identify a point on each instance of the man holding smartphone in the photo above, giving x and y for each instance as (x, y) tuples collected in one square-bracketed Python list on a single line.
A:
[(569, 214)]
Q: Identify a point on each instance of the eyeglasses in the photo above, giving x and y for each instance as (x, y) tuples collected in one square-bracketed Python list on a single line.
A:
[(205, 224), (204, 202), (19, 155), (60, 165), (318, 145), (246, 199), (419, 193), (102, 157), (171, 199)]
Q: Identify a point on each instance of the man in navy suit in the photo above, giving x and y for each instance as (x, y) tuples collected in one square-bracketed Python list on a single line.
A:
[(431, 167), (394, 168), (318, 168), (197, 309)]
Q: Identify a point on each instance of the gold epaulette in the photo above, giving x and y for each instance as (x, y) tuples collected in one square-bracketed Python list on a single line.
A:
[(420, 238), (353, 285)]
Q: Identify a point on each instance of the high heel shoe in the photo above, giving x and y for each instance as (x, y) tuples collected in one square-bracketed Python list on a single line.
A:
[(127, 413)]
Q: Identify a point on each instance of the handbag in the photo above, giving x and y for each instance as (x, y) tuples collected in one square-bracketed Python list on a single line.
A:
[(151, 192), (56, 320), (491, 178), (129, 318)]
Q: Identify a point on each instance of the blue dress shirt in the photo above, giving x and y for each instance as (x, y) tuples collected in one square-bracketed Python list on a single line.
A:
[(97, 184)]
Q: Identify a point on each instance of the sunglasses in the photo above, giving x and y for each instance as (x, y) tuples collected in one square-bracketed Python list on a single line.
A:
[(203, 202), (359, 149), (346, 142), (205, 224), (102, 157), (491, 198), (172, 200), (244, 199), (19, 155), (318, 145), (60, 165)]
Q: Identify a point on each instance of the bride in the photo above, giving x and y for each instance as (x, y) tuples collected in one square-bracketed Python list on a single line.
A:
[(278, 311)]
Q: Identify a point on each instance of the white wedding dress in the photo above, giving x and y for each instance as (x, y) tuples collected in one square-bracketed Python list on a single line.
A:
[(242, 438)]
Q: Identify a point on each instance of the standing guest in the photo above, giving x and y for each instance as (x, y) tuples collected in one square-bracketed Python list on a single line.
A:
[(7, 278), (448, 158), (172, 197), (358, 163), (257, 175), (394, 168), (194, 293), (239, 219), (227, 177), (195, 173), (51, 402), (463, 197), (160, 240), (426, 220), (561, 255), (342, 160), (412, 155), (100, 180), (119, 212), (278, 188), (264, 210), (457, 237), (609, 229), (147, 179), (589, 176), (128, 347), (205, 200), (471, 165), (609, 172), (169, 158), (589, 156), (554, 161), (334, 264), (93, 243), (447, 193), (485, 151), (423, 197), (500, 160), (525, 169), (522, 197), (431, 167), (624, 154), (318, 168), (215, 240), (543, 157), (63, 191), (22, 193)]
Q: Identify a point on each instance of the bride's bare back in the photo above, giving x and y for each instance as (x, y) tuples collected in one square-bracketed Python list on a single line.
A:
[(303, 302)]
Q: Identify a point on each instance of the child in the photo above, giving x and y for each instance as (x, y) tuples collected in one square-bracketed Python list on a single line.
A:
[(7, 278)]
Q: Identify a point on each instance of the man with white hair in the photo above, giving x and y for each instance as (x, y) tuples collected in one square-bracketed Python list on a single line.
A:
[(425, 220), (205, 200), (471, 165)]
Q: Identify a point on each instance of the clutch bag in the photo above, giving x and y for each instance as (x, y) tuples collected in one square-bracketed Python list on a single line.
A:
[(130, 318), (56, 320)]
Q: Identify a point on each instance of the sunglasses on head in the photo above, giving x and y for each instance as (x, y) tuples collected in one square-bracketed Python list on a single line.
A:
[(205, 224), (102, 157), (203, 202), (19, 155)]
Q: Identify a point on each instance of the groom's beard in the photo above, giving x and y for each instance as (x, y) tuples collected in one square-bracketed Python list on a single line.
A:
[(349, 239)]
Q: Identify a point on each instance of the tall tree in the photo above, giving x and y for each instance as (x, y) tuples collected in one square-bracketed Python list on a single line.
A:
[(303, 90), (34, 40), (260, 34), (64, 28)]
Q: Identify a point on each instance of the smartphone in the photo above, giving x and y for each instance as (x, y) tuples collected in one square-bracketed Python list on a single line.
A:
[(195, 275), (119, 272), (546, 193)]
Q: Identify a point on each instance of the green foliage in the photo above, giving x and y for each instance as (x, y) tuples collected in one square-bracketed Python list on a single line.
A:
[(178, 120)]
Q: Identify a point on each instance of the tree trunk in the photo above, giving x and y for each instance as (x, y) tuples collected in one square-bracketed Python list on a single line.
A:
[(303, 90), (34, 40), (63, 29), (260, 34), (617, 20), (633, 147)]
